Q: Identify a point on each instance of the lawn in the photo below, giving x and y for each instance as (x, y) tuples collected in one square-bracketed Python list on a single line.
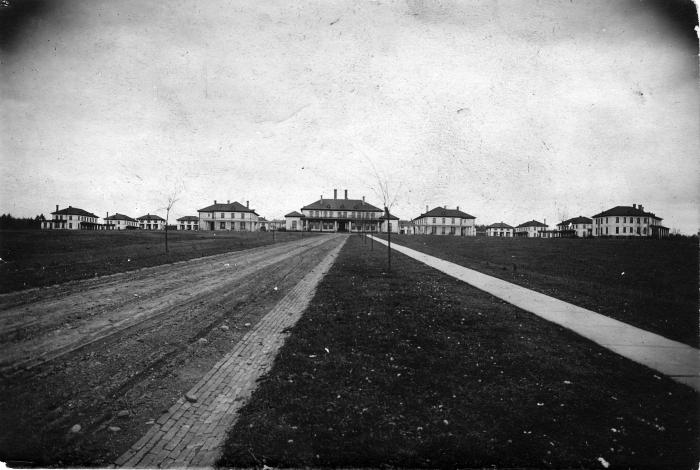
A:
[(651, 284), (416, 369), (34, 258)]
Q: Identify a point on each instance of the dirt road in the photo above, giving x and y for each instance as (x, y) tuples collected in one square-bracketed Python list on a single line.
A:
[(88, 366)]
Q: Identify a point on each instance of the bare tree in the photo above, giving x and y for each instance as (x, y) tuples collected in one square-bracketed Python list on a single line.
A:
[(172, 198)]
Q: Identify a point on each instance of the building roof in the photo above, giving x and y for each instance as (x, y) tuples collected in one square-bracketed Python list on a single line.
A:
[(443, 212), (341, 205), (618, 211), (391, 217), (228, 207), (150, 217), (576, 220), (188, 218), (499, 225), (295, 214), (532, 223), (70, 210), (119, 216)]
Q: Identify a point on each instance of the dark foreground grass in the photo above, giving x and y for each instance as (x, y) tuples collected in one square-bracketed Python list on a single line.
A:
[(34, 258), (416, 369), (651, 284)]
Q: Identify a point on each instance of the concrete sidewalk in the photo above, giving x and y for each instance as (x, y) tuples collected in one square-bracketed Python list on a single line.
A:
[(676, 360)]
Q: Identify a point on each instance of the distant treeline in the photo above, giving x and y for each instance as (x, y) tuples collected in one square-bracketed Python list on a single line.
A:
[(9, 222)]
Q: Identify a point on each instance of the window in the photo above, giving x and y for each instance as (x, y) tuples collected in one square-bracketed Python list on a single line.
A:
[(624, 229), (70, 217), (242, 217), (617, 229), (645, 220), (443, 230), (453, 220), (294, 224), (242, 225), (638, 219), (443, 220), (70, 225), (433, 219)]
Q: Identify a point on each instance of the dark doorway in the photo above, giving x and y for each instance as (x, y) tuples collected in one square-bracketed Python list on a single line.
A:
[(342, 226)]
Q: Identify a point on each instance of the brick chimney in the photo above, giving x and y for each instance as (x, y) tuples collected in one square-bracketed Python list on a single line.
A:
[(426, 208), (634, 206), (56, 207), (247, 204), (214, 201), (457, 207), (363, 200), (346, 194), (335, 194), (641, 207), (228, 201)]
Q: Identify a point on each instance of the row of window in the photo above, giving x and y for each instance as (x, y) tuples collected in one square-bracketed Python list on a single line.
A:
[(640, 231), (222, 215), (445, 220), (624, 220), (77, 217), (344, 214)]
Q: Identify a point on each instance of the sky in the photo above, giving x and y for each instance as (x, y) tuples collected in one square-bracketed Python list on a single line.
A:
[(511, 110)]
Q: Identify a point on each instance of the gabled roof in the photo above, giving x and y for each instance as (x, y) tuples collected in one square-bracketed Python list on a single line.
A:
[(576, 220), (443, 212), (341, 205), (188, 218), (262, 219), (119, 216), (70, 210), (391, 217), (295, 214), (150, 217), (228, 207), (532, 223), (619, 211), (499, 225)]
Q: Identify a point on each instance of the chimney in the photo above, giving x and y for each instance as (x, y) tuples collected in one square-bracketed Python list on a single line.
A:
[(445, 206), (634, 206), (641, 207), (426, 208), (247, 204), (363, 200), (346, 194), (335, 194), (457, 207), (214, 201), (228, 201), (321, 197), (56, 207)]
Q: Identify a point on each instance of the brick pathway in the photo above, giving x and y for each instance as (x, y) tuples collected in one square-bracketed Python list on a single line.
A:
[(676, 360), (191, 433)]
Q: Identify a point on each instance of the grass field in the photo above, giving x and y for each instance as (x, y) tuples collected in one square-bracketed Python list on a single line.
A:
[(651, 284), (416, 369), (34, 258)]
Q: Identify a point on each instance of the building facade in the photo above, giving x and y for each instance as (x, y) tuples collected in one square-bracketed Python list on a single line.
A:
[(188, 222), (294, 222), (444, 221), (232, 216), (580, 227), (393, 224), (626, 221), (71, 218), (531, 229), (120, 222), (500, 229), (151, 222), (341, 215)]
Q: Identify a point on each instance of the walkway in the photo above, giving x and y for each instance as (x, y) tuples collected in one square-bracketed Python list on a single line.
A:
[(676, 360), (193, 430)]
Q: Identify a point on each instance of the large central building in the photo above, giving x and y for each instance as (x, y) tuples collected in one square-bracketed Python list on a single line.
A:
[(341, 215)]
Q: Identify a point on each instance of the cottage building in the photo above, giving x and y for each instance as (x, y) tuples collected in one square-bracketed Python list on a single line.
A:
[(580, 227), (71, 218), (406, 227), (151, 222), (626, 221), (444, 221), (341, 215), (393, 222), (500, 229), (531, 229), (188, 222), (295, 222), (232, 216), (120, 222), (263, 224)]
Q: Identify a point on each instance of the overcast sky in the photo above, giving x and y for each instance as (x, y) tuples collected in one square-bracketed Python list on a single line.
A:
[(511, 110)]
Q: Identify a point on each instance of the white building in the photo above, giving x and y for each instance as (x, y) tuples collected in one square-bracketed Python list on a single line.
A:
[(500, 229), (231, 216), (341, 215), (626, 221), (531, 229), (580, 227), (444, 221), (71, 218), (120, 222), (294, 222), (393, 221), (151, 222), (188, 222)]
